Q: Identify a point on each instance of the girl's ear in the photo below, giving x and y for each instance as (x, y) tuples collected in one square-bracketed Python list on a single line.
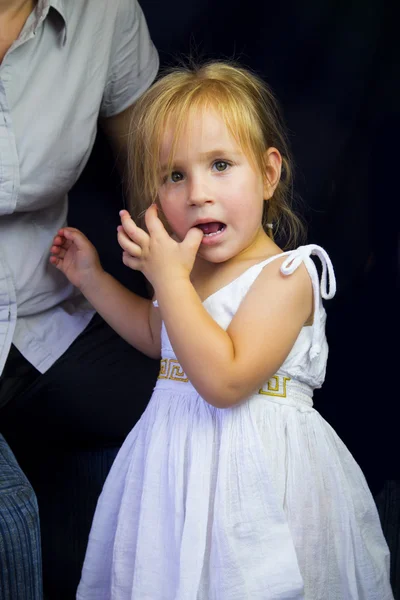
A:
[(273, 168)]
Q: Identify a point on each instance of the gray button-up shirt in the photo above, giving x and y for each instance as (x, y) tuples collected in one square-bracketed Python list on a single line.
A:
[(71, 62)]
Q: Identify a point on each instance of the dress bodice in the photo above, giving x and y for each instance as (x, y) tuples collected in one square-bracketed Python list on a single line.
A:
[(306, 362)]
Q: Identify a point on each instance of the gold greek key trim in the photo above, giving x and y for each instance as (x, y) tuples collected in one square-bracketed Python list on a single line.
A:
[(171, 369), (276, 386)]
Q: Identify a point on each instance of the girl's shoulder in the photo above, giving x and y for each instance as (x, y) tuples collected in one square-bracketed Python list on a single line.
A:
[(290, 261), (264, 278), (212, 287)]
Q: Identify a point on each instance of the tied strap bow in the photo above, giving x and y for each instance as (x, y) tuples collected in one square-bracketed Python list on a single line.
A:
[(325, 289)]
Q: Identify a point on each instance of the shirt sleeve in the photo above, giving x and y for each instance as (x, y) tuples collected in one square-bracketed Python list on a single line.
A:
[(134, 60)]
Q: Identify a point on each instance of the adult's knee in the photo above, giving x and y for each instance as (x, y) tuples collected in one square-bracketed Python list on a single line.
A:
[(20, 550)]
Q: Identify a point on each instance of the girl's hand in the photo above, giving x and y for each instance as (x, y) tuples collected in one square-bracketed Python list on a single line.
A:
[(156, 254), (76, 257)]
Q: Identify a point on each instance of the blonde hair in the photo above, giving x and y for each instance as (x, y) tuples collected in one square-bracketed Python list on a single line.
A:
[(251, 114)]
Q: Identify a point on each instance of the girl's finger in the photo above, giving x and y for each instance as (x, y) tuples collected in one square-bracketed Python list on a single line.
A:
[(153, 223), (126, 243), (58, 240), (192, 240), (59, 251), (127, 223), (61, 243), (132, 263), (68, 231), (133, 250), (74, 236), (135, 233), (54, 260)]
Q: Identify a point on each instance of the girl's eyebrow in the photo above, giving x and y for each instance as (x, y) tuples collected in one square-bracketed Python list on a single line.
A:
[(165, 168), (210, 154), (218, 152)]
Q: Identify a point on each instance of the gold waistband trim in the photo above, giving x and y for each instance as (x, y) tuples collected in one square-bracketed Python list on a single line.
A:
[(276, 386), (171, 369)]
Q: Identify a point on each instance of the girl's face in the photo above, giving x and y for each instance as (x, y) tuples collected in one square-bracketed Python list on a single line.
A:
[(213, 186)]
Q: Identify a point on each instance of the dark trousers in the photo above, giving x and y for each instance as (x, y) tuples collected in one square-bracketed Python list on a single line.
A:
[(65, 428)]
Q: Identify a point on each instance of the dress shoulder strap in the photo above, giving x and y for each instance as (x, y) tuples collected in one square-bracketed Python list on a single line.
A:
[(327, 287), (300, 255), (324, 289)]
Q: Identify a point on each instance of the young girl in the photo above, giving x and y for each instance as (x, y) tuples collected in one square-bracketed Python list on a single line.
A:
[(231, 486)]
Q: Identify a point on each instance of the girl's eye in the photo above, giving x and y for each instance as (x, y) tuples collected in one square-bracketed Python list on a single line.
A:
[(221, 165), (176, 176)]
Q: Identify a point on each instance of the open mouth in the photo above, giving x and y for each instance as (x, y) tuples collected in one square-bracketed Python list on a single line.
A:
[(212, 228)]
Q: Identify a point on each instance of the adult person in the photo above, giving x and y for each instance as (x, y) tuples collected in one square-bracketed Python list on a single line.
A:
[(63, 66)]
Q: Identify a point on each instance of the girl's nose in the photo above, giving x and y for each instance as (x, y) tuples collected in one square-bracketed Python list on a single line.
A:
[(199, 193)]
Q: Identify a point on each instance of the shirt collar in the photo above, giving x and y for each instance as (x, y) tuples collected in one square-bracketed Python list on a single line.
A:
[(60, 21)]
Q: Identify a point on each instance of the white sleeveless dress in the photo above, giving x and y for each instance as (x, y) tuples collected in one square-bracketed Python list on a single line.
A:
[(261, 501)]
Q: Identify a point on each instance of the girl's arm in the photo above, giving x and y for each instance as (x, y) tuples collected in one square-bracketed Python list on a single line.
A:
[(225, 367), (134, 318)]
